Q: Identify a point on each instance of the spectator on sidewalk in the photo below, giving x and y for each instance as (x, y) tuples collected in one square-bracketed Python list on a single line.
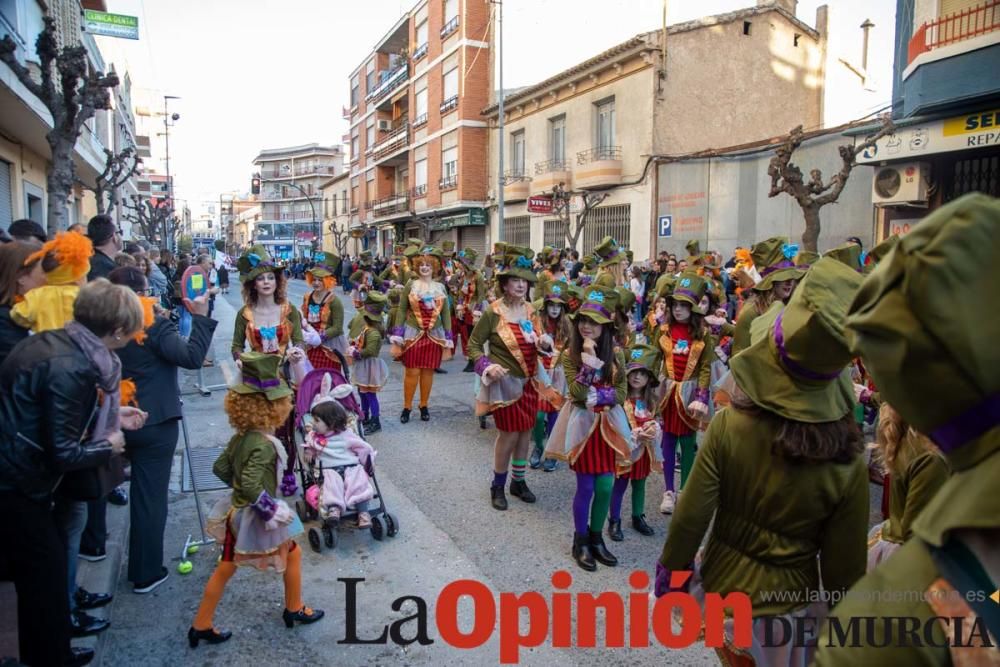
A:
[(52, 429), (153, 367), (15, 280), (157, 279), (107, 240), (28, 231)]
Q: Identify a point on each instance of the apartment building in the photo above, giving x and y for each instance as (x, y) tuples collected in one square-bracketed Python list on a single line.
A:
[(595, 128), (336, 194), (946, 107), (25, 121), (244, 227), (418, 141), (290, 196)]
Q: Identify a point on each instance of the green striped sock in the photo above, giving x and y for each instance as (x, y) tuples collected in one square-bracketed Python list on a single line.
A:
[(517, 467)]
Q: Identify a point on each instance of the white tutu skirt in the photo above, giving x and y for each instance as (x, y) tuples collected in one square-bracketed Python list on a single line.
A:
[(338, 343), (559, 380), (499, 393), (370, 374), (574, 425), (253, 544)]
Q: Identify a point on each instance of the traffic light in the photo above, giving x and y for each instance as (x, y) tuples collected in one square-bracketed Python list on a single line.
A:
[(255, 185)]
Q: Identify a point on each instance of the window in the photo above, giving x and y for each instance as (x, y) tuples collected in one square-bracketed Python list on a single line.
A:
[(746, 27), (355, 90), (355, 146), (517, 230), (370, 81), (355, 192), (420, 106), (343, 201), (420, 178), (557, 139), (370, 186), (517, 153), (606, 123), (795, 40), (421, 41), (450, 20), (554, 232), (370, 134), (449, 167), (450, 88), (613, 221)]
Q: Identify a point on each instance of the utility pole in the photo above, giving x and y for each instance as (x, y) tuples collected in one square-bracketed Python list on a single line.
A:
[(167, 233), (500, 137)]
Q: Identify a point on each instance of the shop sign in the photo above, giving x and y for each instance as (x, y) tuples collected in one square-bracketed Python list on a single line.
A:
[(475, 217), (540, 204), (966, 132), (111, 25)]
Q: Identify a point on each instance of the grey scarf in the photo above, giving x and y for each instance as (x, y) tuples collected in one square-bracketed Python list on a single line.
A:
[(110, 369)]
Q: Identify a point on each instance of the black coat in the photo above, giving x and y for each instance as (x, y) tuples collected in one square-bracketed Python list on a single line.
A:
[(100, 266), (48, 396), (153, 365), (10, 333)]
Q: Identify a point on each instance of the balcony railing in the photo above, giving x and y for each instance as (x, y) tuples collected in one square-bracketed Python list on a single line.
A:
[(418, 191), (389, 82), (420, 120), (449, 104), (598, 154), (420, 52), (316, 169), (397, 203), (550, 166), (345, 113), (449, 27), (397, 139), (956, 27), (448, 182), (515, 176)]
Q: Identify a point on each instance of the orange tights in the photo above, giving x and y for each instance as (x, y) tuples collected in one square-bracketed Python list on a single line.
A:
[(225, 570), (412, 377)]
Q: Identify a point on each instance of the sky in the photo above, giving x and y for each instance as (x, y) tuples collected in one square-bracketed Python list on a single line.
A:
[(253, 74)]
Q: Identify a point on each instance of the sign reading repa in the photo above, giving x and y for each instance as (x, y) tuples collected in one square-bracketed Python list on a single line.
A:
[(111, 25)]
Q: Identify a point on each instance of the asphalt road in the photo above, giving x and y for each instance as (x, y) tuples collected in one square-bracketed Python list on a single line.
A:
[(435, 477)]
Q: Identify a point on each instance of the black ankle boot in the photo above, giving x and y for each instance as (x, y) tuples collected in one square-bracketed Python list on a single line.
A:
[(640, 525), (582, 553), (615, 530), (404, 416), (469, 367), (519, 489), (600, 551), (425, 414), (373, 425), (498, 498)]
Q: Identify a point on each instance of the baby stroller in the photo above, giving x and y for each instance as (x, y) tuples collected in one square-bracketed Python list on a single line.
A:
[(312, 476)]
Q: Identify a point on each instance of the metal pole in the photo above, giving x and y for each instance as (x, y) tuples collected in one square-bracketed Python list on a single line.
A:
[(500, 137), (170, 184)]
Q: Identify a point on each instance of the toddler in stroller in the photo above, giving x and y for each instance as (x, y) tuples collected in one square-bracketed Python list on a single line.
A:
[(338, 459)]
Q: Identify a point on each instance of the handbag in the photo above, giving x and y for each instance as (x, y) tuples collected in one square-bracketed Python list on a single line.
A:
[(96, 482)]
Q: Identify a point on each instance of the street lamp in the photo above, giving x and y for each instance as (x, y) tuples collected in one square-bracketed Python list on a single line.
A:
[(169, 120)]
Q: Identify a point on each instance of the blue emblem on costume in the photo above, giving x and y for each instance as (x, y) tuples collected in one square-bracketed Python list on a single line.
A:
[(596, 296), (790, 250), (636, 355)]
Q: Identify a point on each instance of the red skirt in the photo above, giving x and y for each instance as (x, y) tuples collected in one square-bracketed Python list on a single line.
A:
[(672, 422), (641, 468), (424, 353), (520, 416), (597, 457), (321, 357)]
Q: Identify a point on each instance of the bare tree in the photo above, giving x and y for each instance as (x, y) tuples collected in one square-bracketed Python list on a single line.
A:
[(340, 236), (562, 199), (814, 194), (118, 169), (72, 92), (155, 219)]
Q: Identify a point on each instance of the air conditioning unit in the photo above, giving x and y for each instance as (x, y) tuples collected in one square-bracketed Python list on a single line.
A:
[(384, 125), (903, 183)]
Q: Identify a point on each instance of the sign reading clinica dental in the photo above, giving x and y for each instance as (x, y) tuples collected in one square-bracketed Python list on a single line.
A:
[(111, 25)]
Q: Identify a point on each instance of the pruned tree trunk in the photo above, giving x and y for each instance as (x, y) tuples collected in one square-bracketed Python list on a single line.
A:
[(59, 184), (810, 237)]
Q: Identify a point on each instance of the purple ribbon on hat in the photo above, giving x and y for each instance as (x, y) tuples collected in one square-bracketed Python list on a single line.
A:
[(791, 364), (968, 426), (680, 291), (596, 308), (783, 264), (261, 384), (374, 309)]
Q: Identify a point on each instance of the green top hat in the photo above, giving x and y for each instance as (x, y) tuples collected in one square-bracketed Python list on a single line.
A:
[(412, 248), (923, 326), (773, 260), (806, 258), (365, 258), (626, 300), (517, 263), (589, 262), (548, 256), (499, 249), (665, 285), (693, 247), (574, 295), (796, 363), (255, 262), (468, 257), (260, 376), (642, 357), (848, 254), (431, 251), (374, 305), (448, 247), (556, 291), (878, 253), (326, 265), (608, 252), (689, 287), (598, 304)]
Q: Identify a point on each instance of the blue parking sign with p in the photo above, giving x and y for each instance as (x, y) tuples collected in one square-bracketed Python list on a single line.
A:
[(666, 225)]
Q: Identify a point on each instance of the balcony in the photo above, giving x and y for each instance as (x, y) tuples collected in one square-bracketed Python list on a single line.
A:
[(516, 185), (449, 27), (420, 121), (449, 182), (419, 191), (419, 52), (946, 59), (598, 167), (449, 104), (391, 205), (396, 139), (389, 82), (549, 174)]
